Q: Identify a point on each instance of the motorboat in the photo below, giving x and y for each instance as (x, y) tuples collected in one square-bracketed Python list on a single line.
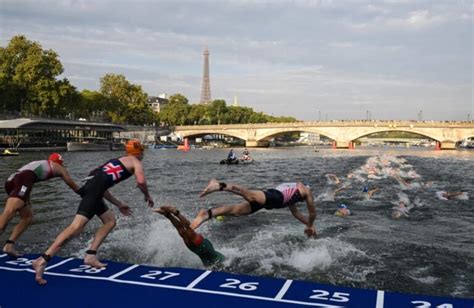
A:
[(9, 152), (90, 144), (229, 161)]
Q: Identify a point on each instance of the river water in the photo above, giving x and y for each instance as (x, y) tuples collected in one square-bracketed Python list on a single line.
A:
[(429, 252)]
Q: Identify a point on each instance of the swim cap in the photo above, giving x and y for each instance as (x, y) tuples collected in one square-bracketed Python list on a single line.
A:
[(396, 214), (134, 147), (343, 206), (365, 189), (57, 158)]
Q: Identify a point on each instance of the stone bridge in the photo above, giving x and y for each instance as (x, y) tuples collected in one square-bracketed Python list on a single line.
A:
[(343, 132)]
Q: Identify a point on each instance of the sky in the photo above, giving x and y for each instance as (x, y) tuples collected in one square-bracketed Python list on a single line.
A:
[(309, 59)]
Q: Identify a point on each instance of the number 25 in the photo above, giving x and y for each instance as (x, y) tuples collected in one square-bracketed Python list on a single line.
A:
[(336, 297)]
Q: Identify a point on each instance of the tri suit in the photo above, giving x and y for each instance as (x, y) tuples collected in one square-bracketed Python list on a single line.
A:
[(283, 195), (98, 181), (20, 183), (205, 250)]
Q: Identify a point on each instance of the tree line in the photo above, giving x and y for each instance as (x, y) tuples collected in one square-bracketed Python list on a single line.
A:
[(30, 86)]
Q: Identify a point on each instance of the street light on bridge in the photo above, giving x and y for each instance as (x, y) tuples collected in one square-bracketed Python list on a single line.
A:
[(420, 115)]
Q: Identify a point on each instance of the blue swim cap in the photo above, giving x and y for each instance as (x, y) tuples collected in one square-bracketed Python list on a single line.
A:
[(343, 206), (365, 189)]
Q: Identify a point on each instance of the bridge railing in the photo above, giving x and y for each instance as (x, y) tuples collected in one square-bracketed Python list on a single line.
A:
[(371, 123)]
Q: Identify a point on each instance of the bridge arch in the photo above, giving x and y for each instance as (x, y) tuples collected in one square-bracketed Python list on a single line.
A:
[(272, 134), (396, 130), (230, 134)]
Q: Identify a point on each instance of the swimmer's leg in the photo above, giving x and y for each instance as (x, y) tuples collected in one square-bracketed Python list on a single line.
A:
[(26, 217), (108, 223), (73, 229), (239, 209)]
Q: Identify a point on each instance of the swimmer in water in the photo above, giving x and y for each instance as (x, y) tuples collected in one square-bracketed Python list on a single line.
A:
[(342, 211), (450, 195), (195, 242), (369, 193), (401, 210), (285, 195), (331, 194), (333, 179)]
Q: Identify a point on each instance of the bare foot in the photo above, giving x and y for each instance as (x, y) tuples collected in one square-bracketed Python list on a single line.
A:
[(201, 217), (10, 250), (211, 187), (93, 261), (39, 265)]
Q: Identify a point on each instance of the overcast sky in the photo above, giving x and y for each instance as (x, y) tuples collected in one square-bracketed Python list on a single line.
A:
[(295, 58)]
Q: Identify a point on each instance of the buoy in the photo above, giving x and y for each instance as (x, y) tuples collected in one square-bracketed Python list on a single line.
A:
[(220, 218), (184, 147)]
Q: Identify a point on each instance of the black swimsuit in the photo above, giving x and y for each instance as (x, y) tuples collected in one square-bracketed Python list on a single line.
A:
[(98, 181)]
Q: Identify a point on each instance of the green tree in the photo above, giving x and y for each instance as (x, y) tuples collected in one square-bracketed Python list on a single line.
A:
[(125, 102), (176, 111), (92, 105), (30, 74)]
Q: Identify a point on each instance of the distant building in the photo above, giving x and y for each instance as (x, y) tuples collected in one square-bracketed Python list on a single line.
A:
[(157, 102), (310, 138)]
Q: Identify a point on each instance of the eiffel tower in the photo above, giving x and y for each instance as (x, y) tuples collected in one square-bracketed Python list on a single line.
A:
[(206, 84)]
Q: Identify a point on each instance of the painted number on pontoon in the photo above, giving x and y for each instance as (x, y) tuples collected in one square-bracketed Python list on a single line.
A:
[(87, 269), (20, 262), (336, 297), (234, 284), (423, 304), (155, 274)]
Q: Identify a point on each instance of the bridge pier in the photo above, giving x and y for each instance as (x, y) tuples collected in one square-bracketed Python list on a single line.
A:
[(343, 144), (448, 145), (256, 144)]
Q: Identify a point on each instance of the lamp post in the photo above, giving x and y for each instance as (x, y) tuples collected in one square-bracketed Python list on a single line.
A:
[(420, 115)]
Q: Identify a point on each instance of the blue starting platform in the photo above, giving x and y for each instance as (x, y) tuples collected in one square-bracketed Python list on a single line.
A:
[(73, 284)]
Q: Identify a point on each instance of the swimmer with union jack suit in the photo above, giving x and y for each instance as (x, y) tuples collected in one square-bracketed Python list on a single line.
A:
[(94, 190)]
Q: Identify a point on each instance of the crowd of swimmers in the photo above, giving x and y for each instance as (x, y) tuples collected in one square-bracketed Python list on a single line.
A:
[(384, 167), (95, 188)]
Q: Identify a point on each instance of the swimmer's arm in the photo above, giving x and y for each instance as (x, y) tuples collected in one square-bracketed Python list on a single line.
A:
[(141, 182), (297, 214), (178, 224), (123, 208), (373, 191), (66, 178), (109, 197), (311, 209), (183, 219), (401, 180), (340, 189)]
